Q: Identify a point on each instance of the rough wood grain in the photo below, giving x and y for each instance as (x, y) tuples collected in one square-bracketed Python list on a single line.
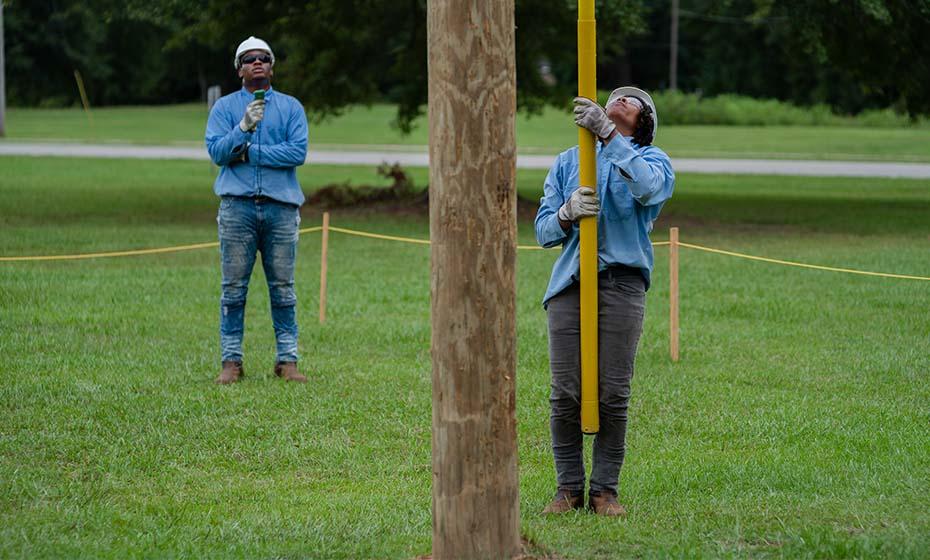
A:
[(472, 104)]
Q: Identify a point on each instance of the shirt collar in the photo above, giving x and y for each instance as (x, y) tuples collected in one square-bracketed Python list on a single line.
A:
[(268, 91)]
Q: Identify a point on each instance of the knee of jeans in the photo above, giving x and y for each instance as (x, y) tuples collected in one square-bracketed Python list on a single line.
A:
[(564, 406), (615, 401), (282, 295), (234, 294)]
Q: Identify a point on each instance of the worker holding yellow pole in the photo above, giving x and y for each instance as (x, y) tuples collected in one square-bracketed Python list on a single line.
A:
[(600, 201)]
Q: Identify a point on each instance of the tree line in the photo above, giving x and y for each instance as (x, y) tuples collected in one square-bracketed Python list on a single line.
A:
[(850, 54)]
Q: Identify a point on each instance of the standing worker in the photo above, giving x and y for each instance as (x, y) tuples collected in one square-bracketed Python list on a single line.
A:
[(634, 179), (258, 137)]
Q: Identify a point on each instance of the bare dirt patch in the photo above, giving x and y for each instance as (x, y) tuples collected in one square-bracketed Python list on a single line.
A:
[(401, 198)]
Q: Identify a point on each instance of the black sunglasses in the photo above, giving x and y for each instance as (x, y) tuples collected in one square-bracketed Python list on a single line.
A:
[(250, 58)]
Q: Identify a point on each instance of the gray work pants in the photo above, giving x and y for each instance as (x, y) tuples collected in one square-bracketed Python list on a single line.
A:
[(621, 305)]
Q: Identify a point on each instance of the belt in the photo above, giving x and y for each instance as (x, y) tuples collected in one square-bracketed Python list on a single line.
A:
[(616, 270), (259, 198)]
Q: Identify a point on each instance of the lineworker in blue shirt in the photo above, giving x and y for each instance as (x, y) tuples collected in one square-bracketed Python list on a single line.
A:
[(258, 144), (634, 179)]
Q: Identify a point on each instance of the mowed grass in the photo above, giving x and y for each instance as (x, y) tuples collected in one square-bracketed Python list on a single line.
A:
[(795, 425), (549, 132)]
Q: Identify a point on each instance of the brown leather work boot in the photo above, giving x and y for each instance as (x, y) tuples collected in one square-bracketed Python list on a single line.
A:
[(231, 373), (288, 372), (605, 503), (565, 501)]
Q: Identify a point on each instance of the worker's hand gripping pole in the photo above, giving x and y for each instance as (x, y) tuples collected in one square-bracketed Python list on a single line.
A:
[(587, 87)]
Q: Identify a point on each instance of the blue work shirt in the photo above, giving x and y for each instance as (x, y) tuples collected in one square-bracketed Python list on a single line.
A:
[(275, 149), (633, 183)]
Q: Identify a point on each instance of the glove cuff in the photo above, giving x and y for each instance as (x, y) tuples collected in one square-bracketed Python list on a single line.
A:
[(562, 214), (606, 130)]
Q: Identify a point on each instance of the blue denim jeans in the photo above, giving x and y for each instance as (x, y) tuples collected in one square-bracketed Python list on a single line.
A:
[(248, 226)]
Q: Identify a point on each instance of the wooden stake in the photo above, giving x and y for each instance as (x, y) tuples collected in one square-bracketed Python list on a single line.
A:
[(673, 293), (323, 252)]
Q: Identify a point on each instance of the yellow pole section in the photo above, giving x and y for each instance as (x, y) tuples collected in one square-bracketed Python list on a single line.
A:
[(587, 87)]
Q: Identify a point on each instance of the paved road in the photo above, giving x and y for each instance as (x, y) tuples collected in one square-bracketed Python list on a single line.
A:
[(413, 159)]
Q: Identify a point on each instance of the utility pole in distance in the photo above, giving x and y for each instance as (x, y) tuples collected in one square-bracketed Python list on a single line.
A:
[(673, 50), (472, 199)]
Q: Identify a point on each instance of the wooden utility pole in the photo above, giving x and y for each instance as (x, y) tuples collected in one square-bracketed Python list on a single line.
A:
[(673, 49), (472, 106), (2, 78)]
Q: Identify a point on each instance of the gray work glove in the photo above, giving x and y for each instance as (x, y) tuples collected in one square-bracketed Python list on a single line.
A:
[(254, 113), (581, 204), (592, 116)]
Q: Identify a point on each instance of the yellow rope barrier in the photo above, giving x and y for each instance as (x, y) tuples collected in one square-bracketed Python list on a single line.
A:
[(137, 252), (409, 239), (358, 233), (802, 265), (379, 236), (111, 254)]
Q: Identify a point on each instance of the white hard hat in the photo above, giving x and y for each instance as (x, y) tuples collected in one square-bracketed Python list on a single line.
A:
[(252, 44), (636, 92)]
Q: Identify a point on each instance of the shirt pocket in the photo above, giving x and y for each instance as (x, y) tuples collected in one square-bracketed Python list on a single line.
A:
[(617, 202)]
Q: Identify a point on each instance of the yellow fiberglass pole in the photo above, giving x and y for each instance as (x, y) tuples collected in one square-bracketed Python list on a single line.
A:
[(587, 87)]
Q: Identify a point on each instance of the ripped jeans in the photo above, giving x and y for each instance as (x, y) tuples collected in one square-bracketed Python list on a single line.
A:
[(248, 226), (621, 302)]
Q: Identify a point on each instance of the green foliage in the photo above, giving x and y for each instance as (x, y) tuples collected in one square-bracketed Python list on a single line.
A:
[(881, 45), (338, 53), (547, 35), (332, 53), (677, 108), (126, 52), (45, 42), (852, 55)]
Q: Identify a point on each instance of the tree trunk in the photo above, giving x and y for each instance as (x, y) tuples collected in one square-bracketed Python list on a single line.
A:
[(2, 78), (673, 49), (472, 105), (202, 82)]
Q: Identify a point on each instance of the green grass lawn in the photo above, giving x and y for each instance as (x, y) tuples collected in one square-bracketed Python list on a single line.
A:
[(795, 425), (551, 132)]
